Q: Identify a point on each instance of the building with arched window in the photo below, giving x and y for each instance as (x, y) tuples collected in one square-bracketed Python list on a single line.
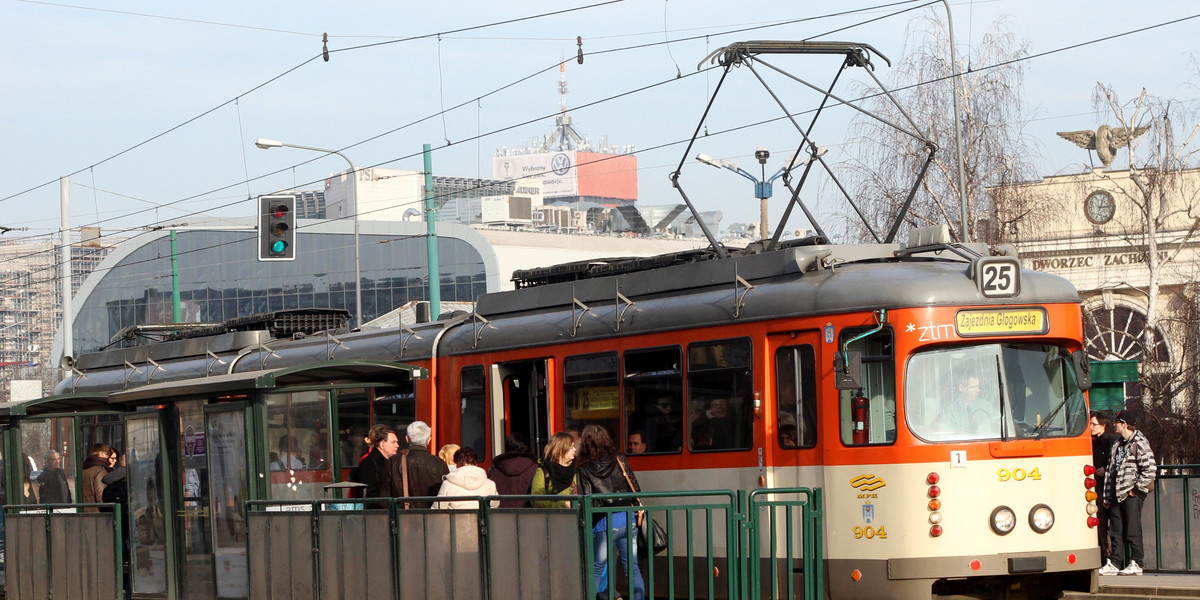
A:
[(1130, 245)]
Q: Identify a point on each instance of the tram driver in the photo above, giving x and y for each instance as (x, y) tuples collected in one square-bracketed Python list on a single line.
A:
[(962, 412)]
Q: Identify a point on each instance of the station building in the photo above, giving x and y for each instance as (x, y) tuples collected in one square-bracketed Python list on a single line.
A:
[(1137, 272)]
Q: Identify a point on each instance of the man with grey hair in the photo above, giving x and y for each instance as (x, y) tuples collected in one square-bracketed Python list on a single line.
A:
[(415, 472)]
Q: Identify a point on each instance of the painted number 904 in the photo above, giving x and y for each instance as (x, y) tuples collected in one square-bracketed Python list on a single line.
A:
[(1018, 475), (869, 532)]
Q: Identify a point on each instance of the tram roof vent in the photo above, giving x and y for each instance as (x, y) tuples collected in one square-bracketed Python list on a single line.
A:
[(292, 322)]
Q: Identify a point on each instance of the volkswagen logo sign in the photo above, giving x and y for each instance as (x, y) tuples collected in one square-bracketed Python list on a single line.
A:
[(561, 164)]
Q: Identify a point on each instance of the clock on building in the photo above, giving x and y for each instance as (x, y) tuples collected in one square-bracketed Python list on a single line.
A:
[(1099, 207)]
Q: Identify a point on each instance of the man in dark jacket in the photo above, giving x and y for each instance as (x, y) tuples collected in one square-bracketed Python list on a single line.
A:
[(1131, 472), (1103, 438), (513, 471), (425, 471), (54, 481), (384, 445)]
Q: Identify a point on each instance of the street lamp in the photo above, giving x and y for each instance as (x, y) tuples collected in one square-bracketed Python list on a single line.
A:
[(267, 144), (762, 185)]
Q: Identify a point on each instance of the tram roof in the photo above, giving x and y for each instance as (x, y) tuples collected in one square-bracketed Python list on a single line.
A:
[(307, 374)]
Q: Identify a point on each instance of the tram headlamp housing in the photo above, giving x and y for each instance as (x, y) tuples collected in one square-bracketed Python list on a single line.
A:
[(1041, 518), (1003, 520)]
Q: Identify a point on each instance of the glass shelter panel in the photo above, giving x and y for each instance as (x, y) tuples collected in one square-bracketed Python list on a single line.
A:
[(994, 391), (298, 438), (654, 400), (720, 395), (868, 414), (148, 535), (48, 461), (353, 423), (592, 391)]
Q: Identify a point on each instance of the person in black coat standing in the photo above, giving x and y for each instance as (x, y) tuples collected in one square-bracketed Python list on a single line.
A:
[(384, 445), (1103, 438), (601, 470)]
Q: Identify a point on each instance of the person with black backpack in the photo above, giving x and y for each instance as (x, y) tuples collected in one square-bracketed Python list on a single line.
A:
[(556, 475)]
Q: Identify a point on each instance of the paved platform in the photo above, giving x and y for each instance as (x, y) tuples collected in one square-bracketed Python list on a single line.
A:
[(1164, 586)]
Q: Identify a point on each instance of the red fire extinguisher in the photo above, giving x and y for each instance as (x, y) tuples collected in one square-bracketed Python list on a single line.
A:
[(860, 412)]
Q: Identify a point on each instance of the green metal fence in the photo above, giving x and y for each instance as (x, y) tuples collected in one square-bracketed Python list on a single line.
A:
[(720, 545), (1168, 527), (58, 551)]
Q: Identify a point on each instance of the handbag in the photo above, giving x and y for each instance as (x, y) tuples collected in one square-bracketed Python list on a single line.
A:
[(650, 533)]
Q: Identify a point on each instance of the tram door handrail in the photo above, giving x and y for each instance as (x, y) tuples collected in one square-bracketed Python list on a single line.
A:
[(44, 558)]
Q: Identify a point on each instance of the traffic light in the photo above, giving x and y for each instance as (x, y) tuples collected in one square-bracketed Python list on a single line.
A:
[(276, 228)]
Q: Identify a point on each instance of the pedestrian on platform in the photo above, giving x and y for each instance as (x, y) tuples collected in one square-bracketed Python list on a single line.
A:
[(601, 470), (556, 475), (95, 467), (1131, 472), (53, 481), (414, 472), (1103, 438), (447, 456), (384, 444), (513, 470), (467, 480)]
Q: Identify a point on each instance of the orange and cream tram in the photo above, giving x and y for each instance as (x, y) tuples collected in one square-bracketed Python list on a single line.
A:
[(934, 393)]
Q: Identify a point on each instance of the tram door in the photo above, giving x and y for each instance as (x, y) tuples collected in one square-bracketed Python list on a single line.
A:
[(794, 357), (520, 404)]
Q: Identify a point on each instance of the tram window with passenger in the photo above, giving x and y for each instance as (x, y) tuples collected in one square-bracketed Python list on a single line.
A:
[(796, 396), (868, 413), (654, 398), (358, 409), (994, 391), (592, 391), (720, 395)]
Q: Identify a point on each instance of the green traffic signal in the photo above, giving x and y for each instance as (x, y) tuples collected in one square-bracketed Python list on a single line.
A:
[(278, 247)]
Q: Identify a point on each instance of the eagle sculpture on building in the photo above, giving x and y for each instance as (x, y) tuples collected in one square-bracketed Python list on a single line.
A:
[(1105, 140)]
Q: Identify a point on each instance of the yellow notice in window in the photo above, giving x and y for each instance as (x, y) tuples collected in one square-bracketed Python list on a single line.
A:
[(1001, 321)]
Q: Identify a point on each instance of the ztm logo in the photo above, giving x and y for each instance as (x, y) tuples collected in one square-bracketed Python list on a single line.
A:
[(867, 483), (561, 163)]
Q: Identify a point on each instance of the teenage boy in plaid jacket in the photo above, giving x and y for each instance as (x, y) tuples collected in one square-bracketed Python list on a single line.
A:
[(1131, 472)]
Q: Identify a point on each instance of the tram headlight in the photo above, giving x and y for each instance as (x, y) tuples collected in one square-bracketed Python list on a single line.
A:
[(1003, 520), (1041, 518)]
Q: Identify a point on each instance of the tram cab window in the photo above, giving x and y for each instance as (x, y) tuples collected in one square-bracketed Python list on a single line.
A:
[(720, 396), (592, 392), (796, 396), (867, 415), (654, 400), (297, 439), (473, 420), (993, 391)]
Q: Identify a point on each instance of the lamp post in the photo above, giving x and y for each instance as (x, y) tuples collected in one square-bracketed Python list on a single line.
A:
[(267, 144), (762, 185)]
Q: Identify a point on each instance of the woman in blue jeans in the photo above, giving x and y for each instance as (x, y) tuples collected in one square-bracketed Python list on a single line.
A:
[(600, 472)]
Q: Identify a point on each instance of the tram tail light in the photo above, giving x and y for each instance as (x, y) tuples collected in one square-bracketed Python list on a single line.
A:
[(935, 531), (1093, 522), (934, 491), (1089, 483), (935, 517), (1089, 470), (932, 478)]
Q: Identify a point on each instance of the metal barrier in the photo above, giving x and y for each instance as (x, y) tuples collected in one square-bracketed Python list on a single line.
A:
[(57, 551), (376, 548), (1168, 539), (788, 524)]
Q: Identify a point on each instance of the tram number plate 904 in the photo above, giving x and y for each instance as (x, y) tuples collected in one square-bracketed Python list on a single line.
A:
[(869, 533), (1018, 474)]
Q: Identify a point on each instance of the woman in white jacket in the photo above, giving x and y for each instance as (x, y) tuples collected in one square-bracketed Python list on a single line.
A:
[(467, 480)]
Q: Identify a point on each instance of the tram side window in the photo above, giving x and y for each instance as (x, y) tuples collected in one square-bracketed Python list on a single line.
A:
[(592, 392), (298, 438), (868, 414), (720, 396), (473, 423), (796, 395), (396, 407), (47, 462), (654, 400)]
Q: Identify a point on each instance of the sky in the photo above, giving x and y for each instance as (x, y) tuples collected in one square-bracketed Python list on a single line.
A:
[(152, 109)]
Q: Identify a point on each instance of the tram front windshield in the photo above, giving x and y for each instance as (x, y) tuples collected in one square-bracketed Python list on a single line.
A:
[(993, 391)]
